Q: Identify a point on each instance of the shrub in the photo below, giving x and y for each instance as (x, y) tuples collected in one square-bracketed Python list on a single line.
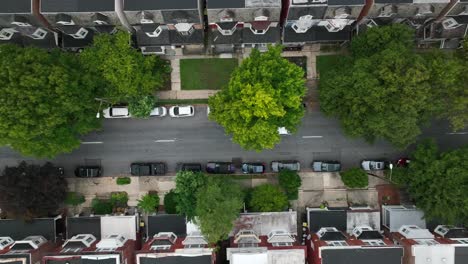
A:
[(290, 182), (141, 107), (123, 180), (355, 178), (101, 207), (119, 199), (149, 203), (170, 202), (268, 198), (74, 199)]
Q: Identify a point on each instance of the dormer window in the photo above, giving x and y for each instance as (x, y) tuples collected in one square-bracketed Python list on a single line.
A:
[(450, 23), (64, 19), (6, 33), (39, 34), (374, 243), (280, 238), (303, 24), (185, 29), (100, 19), (155, 33), (337, 243), (388, 11), (226, 28), (111, 243), (195, 240), (246, 239), (5, 242), (80, 34), (20, 21), (425, 10), (163, 241)]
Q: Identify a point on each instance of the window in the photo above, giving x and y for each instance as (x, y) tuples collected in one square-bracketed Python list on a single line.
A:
[(374, 242), (258, 32), (462, 240), (448, 24), (427, 242), (160, 247), (282, 244), (81, 34), (6, 33), (65, 250), (248, 245), (39, 34), (105, 249), (337, 243), (155, 33), (194, 246)]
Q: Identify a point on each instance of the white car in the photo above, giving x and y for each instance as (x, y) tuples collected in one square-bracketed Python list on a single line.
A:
[(283, 131), (181, 111), (159, 111), (369, 165), (116, 112)]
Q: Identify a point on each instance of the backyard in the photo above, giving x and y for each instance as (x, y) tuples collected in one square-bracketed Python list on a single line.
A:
[(206, 74)]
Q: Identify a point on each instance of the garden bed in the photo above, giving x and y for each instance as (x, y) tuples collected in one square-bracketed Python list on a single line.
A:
[(206, 74)]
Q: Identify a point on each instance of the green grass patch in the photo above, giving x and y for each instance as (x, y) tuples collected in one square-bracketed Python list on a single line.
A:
[(123, 180), (182, 101), (206, 74)]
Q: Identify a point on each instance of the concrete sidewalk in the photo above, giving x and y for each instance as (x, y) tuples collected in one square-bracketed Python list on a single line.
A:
[(191, 94)]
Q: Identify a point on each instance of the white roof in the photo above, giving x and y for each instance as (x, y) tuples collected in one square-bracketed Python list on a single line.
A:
[(263, 223), (249, 258), (395, 216), (183, 27), (443, 254), (125, 225), (262, 255), (184, 110), (359, 218), (415, 232)]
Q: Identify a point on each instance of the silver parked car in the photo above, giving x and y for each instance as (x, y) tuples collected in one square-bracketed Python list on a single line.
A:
[(369, 165), (116, 112), (293, 165), (181, 111), (159, 111), (326, 166)]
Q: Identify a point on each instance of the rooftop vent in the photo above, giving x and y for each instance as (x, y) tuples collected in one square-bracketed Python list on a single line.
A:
[(415, 232), (111, 243), (163, 241), (5, 242), (246, 238)]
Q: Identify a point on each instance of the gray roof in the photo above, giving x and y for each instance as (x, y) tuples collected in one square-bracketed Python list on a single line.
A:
[(15, 6), (139, 5), (206, 259), (19, 229), (15, 258), (271, 36), (316, 34), (57, 6), (346, 2), (316, 12), (218, 38), (69, 42), (166, 223), (264, 223), (84, 225), (143, 40), (327, 218), (393, 1), (461, 255), (364, 255), (178, 39), (225, 4), (83, 261)]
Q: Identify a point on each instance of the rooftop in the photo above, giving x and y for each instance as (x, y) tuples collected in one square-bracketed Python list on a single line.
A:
[(19, 229), (125, 225), (326, 218), (263, 223), (205, 259), (242, 3), (16, 6), (395, 216), (363, 255), (166, 223), (84, 225), (57, 6), (141, 5), (329, 2)]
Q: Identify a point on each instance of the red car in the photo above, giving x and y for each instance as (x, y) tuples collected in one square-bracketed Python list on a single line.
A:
[(403, 162)]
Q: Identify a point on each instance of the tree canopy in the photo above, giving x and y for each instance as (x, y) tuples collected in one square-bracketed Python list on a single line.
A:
[(438, 182), (124, 72), (268, 198), (386, 90), (46, 101), (149, 203), (28, 191), (264, 93), (188, 184), (355, 178), (218, 206), (290, 181)]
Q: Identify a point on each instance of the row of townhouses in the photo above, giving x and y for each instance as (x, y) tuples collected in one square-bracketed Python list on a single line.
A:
[(394, 235), (224, 26)]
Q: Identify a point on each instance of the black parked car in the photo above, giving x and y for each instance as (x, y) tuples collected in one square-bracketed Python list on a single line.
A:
[(195, 167), (326, 166), (220, 167), (88, 171), (147, 168), (251, 168)]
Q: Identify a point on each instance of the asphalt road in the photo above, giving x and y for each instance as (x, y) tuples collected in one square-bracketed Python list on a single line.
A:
[(197, 139)]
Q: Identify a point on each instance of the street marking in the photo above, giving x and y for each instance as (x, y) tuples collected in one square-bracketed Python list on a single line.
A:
[(458, 133), (92, 142), (165, 140), (312, 136)]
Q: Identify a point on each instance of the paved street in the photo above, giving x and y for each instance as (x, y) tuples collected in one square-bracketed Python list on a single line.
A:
[(197, 139)]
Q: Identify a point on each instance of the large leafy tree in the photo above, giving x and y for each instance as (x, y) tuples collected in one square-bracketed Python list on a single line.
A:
[(268, 198), (290, 181), (438, 182), (355, 178), (46, 101), (264, 93), (29, 191), (125, 72), (188, 184), (386, 94), (218, 205)]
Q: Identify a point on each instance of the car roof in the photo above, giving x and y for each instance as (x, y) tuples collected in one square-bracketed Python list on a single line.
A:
[(184, 110), (119, 111)]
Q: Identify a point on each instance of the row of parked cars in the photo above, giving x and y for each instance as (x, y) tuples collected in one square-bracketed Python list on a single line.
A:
[(160, 111), (160, 168)]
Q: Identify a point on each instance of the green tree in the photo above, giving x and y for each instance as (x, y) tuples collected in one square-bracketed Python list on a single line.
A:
[(124, 71), (28, 191), (170, 202), (142, 106), (268, 198), (218, 205), (148, 203), (119, 199), (46, 101), (355, 178), (188, 184), (290, 181), (264, 93), (101, 207), (438, 182)]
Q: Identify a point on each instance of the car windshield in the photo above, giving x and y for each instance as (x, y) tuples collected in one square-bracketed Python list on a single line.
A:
[(176, 110)]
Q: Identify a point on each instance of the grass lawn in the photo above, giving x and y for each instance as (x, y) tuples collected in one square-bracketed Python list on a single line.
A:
[(206, 74)]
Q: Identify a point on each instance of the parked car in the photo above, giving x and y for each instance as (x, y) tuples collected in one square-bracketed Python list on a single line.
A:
[(369, 165), (88, 171), (293, 165), (326, 166), (195, 167), (147, 168), (159, 111), (403, 162), (251, 168), (181, 111), (283, 131), (116, 112), (220, 167), (208, 111), (60, 170)]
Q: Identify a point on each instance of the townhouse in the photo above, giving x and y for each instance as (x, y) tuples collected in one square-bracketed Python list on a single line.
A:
[(236, 24), (21, 24), (79, 21), (319, 21), (162, 27)]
